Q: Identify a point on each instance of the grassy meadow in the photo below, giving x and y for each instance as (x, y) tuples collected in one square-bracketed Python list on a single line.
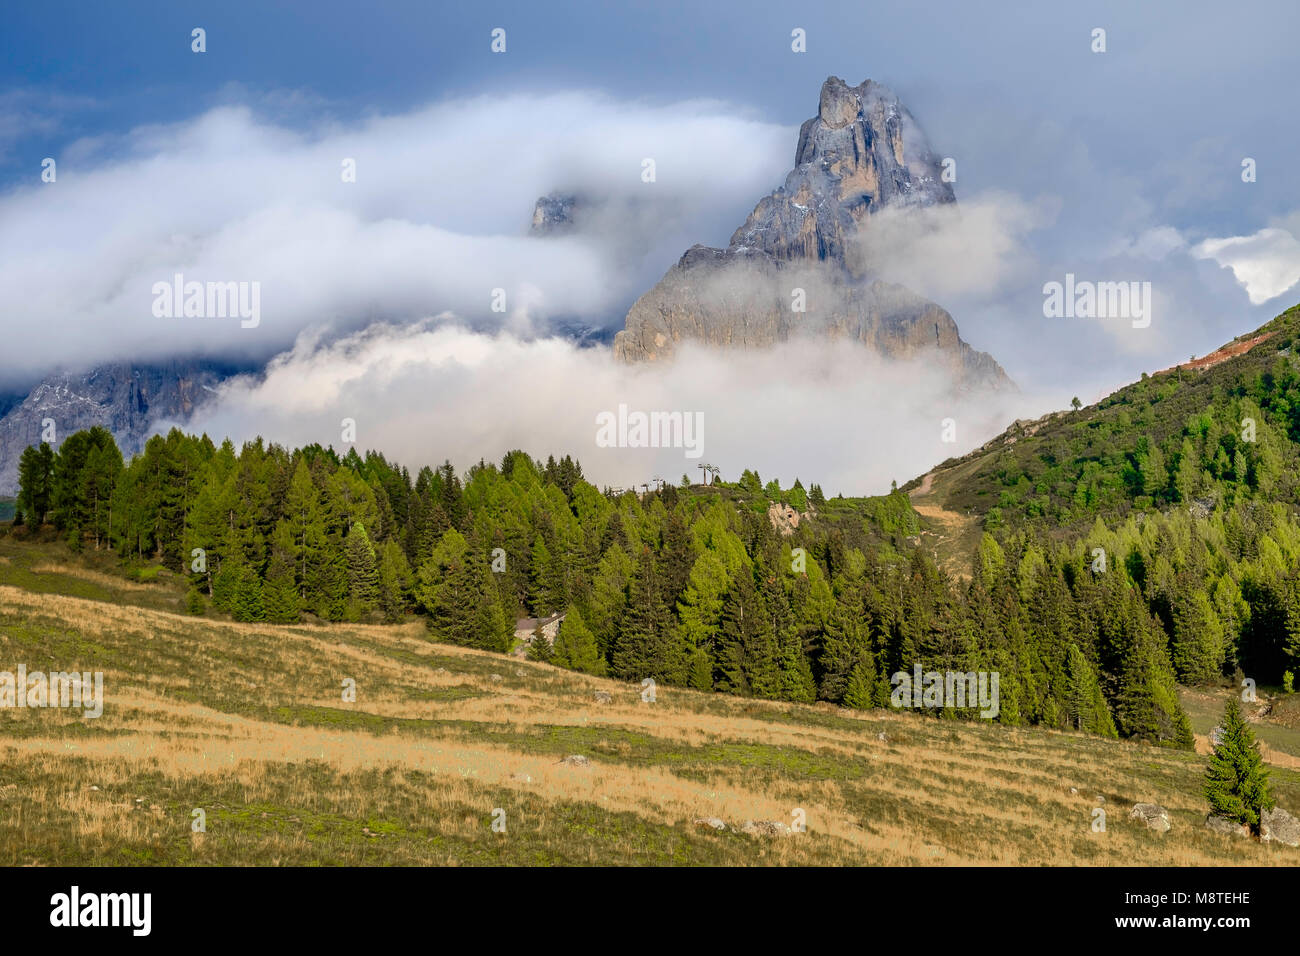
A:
[(248, 724)]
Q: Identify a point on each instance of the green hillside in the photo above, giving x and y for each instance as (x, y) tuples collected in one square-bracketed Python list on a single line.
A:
[(1174, 438)]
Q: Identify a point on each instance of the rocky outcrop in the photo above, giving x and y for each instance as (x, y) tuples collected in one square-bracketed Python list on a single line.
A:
[(124, 398), (710, 823), (789, 271), (784, 518)]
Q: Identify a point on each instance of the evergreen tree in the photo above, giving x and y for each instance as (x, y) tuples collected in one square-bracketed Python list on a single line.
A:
[(363, 573), (1198, 649), (643, 646), (860, 691), (1236, 782), (394, 581), (35, 483), (1087, 706), (747, 653), (539, 648), (575, 645)]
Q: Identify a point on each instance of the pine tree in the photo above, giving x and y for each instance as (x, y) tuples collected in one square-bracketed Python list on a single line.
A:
[(747, 652), (1087, 706), (575, 645), (1197, 645), (1236, 783), (394, 581), (35, 483), (859, 694), (643, 646), (699, 615), (363, 574), (539, 648)]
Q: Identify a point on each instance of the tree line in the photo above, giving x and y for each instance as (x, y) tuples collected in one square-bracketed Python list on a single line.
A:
[(692, 584)]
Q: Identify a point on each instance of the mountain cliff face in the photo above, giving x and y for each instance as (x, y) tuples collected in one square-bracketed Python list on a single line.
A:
[(126, 399), (787, 271)]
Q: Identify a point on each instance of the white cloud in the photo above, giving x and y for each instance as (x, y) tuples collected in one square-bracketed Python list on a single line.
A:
[(433, 390), (436, 220), (1266, 263), (972, 250)]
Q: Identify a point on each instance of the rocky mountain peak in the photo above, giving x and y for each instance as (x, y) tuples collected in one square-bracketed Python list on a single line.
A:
[(839, 105), (862, 151)]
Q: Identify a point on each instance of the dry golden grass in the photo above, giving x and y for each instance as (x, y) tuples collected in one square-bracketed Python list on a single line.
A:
[(87, 574), (248, 723)]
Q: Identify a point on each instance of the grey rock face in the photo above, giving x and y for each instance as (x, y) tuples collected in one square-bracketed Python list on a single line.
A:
[(124, 398), (732, 299), (863, 151), (554, 214)]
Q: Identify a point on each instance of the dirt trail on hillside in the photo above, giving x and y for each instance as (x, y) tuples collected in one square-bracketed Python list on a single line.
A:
[(952, 521), (954, 533)]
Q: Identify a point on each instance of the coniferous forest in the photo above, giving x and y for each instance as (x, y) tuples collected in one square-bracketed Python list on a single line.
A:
[(1147, 541)]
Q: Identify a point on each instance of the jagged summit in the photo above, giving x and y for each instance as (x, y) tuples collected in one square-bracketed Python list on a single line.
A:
[(862, 152)]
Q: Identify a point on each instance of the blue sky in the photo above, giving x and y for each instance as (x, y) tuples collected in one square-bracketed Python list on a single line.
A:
[(1174, 72)]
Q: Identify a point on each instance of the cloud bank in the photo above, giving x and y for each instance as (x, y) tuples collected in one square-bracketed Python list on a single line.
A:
[(436, 390), (436, 219)]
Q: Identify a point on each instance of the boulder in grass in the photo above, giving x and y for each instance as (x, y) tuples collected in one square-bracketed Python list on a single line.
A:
[(576, 760), (1278, 826), (709, 823), (602, 697), (1153, 815), (1226, 825)]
